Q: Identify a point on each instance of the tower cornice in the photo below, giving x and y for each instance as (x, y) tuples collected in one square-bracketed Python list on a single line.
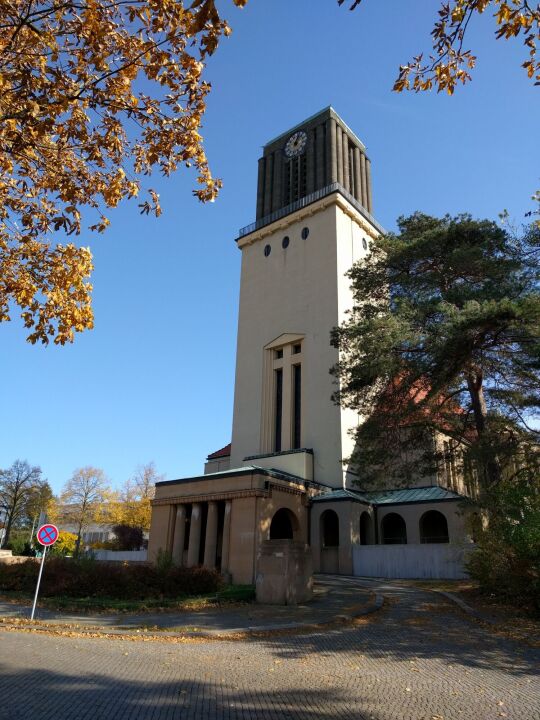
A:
[(334, 197)]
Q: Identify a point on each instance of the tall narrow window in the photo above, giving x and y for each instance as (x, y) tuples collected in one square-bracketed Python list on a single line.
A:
[(297, 406), (279, 410)]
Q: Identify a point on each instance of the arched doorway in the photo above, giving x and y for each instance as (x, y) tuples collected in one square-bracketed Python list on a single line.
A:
[(329, 526), (433, 527), (366, 529), (284, 525), (394, 530)]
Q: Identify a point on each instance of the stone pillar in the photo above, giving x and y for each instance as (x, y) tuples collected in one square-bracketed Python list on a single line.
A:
[(368, 186), (332, 152), (321, 170), (310, 162), (210, 543), (363, 179), (225, 545), (261, 188), (286, 399), (268, 188), (345, 147), (277, 200), (357, 181), (179, 535), (194, 536), (339, 154)]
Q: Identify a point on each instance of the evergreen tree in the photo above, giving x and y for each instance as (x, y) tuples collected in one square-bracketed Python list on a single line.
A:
[(444, 337)]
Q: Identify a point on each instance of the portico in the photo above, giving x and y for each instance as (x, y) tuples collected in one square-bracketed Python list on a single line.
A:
[(220, 520), (201, 530)]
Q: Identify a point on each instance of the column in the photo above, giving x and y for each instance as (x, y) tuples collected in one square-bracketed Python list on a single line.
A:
[(332, 155), (310, 162), (278, 173), (286, 399), (345, 150), (339, 154), (363, 179), (194, 535), (319, 149), (261, 188), (268, 189), (368, 186), (357, 182), (210, 543), (226, 537), (179, 535)]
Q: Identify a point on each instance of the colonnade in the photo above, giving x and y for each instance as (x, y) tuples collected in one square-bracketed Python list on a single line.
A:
[(211, 538)]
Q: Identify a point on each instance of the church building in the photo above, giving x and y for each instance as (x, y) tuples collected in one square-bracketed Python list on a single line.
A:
[(285, 476)]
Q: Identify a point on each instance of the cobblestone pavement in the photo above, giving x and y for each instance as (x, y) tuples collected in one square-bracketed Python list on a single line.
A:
[(418, 659)]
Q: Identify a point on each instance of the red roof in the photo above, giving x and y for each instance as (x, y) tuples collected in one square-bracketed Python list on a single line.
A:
[(224, 452), (438, 408)]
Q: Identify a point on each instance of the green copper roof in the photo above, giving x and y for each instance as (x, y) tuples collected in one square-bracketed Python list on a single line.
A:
[(342, 494), (391, 497)]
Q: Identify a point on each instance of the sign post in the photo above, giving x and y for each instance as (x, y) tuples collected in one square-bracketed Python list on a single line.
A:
[(47, 535)]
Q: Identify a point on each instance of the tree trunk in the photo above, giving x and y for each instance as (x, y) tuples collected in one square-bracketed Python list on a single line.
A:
[(11, 516), (78, 540), (8, 525), (476, 391)]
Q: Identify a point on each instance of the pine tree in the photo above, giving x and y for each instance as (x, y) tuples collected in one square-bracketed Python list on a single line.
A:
[(444, 337)]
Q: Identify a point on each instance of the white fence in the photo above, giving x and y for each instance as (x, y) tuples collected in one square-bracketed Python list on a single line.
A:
[(420, 562), (121, 555)]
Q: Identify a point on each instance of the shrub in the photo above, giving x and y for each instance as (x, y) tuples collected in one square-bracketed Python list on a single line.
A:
[(506, 562), (65, 545), (18, 541), (86, 577), (504, 574), (128, 537)]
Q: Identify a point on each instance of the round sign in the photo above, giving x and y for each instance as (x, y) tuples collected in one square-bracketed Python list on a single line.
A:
[(47, 535)]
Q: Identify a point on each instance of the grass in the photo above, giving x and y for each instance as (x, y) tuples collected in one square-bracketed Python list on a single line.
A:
[(230, 595)]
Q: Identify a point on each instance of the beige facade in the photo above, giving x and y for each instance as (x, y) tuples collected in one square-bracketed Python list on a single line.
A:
[(361, 523), (296, 295)]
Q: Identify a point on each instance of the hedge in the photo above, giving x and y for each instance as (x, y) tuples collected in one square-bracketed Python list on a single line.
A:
[(91, 578)]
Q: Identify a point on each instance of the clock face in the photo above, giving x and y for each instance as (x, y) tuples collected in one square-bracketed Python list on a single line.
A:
[(296, 144)]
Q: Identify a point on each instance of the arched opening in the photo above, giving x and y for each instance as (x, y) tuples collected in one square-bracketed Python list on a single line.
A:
[(394, 530), (330, 529), (433, 527), (366, 529), (284, 525)]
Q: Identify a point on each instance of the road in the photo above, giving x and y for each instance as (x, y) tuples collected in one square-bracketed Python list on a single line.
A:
[(417, 659)]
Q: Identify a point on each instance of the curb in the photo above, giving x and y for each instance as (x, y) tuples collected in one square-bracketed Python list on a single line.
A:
[(467, 608), (229, 634)]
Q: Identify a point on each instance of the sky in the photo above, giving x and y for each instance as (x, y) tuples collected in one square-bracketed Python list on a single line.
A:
[(154, 380)]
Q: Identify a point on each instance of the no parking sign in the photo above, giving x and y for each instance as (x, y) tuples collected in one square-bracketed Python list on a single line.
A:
[(47, 535)]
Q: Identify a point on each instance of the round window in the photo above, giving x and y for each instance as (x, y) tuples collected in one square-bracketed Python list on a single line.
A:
[(305, 233), (285, 242), (267, 250), (364, 243)]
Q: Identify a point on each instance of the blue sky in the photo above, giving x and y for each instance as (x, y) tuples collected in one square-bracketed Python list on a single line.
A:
[(154, 380)]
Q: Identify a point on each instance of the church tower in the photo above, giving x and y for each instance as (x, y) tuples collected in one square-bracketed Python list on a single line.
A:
[(313, 221)]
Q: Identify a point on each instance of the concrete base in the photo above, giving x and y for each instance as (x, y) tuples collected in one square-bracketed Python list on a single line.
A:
[(284, 573)]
